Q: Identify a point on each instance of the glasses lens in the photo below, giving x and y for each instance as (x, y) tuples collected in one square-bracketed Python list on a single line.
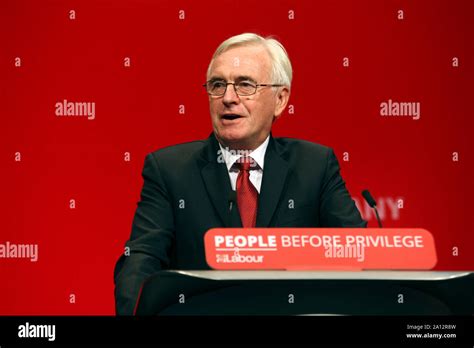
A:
[(246, 88), (216, 87)]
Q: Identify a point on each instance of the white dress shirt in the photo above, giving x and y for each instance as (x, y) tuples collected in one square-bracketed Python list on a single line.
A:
[(258, 155)]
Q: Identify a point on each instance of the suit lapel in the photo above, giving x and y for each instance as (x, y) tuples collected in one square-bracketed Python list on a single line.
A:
[(274, 177), (216, 179)]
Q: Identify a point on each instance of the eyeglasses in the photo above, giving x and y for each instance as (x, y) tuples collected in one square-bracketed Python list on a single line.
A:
[(242, 88)]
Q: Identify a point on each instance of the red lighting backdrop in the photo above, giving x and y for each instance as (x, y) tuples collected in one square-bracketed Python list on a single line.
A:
[(71, 184)]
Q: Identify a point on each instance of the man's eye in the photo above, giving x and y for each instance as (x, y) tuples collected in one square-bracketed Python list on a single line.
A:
[(246, 84), (218, 84)]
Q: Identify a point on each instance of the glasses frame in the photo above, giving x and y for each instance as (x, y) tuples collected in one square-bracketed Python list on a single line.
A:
[(235, 88)]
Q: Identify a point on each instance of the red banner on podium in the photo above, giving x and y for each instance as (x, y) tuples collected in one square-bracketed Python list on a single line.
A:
[(320, 248)]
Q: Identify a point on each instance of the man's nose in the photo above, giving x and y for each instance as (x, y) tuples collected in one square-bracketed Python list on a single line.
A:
[(230, 95)]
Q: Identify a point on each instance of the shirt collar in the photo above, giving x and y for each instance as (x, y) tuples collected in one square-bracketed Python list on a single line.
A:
[(258, 155)]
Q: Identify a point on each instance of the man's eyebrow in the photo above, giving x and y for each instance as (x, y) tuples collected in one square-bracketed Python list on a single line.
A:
[(238, 78), (245, 78), (216, 78)]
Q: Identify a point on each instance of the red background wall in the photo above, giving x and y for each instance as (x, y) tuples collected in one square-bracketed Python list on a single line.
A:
[(137, 111)]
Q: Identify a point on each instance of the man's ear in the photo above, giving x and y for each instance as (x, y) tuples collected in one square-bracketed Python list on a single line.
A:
[(283, 95)]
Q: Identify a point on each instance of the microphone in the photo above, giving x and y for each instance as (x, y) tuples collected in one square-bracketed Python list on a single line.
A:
[(371, 202), (232, 200)]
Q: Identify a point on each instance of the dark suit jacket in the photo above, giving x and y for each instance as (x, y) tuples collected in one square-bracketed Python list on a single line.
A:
[(186, 192)]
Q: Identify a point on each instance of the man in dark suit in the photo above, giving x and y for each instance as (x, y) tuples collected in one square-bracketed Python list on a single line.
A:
[(274, 182)]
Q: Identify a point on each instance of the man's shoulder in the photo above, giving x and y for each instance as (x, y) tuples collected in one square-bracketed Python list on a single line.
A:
[(295, 146), (180, 152)]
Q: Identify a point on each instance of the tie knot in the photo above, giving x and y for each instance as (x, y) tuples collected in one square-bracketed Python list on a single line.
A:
[(246, 163)]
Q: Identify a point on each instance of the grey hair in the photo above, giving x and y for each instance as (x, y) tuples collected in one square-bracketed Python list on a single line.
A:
[(282, 72)]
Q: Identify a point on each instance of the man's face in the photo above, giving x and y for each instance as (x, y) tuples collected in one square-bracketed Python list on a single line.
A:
[(244, 122)]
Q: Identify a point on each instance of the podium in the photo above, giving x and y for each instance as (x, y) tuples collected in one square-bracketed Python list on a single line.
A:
[(307, 293)]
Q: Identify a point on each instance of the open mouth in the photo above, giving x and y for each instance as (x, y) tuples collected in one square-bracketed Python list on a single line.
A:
[(231, 117)]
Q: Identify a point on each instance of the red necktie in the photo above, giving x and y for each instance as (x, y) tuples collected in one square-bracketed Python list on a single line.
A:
[(247, 194)]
